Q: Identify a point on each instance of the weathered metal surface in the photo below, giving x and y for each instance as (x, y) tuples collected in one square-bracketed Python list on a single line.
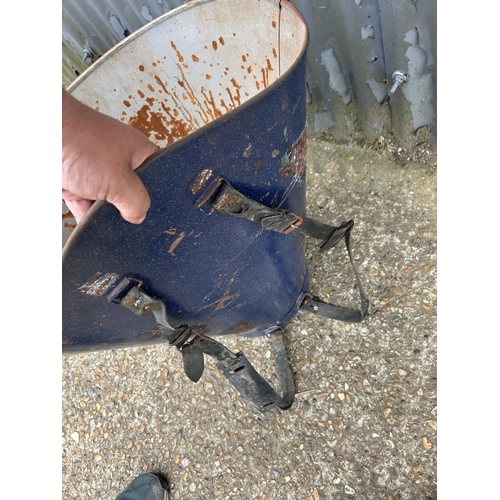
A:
[(355, 47), (293, 161), (170, 87), (187, 75), (214, 273)]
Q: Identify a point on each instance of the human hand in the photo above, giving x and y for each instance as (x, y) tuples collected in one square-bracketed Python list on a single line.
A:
[(99, 156)]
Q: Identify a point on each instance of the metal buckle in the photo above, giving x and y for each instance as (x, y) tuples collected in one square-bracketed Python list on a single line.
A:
[(295, 225)]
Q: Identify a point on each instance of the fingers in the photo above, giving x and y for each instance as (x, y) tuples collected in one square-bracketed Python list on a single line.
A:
[(131, 198), (78, 208)]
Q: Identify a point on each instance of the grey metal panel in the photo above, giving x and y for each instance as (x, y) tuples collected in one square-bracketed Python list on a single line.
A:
[(92, 27), (346, 64), (409, 30), (355, 46)]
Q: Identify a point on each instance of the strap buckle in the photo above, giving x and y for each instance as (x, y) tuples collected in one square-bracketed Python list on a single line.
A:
[(295, 225)]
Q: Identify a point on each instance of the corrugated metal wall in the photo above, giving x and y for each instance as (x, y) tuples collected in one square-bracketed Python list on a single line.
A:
[(354, 49)]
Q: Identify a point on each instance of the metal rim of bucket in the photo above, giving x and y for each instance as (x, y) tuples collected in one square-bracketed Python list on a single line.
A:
[(80, 227)]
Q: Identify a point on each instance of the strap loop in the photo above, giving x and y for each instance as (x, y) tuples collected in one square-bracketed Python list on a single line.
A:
[(235, 367), (221, 196)]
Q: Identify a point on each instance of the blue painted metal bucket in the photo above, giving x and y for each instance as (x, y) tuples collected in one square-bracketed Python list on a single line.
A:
[(225, 99)]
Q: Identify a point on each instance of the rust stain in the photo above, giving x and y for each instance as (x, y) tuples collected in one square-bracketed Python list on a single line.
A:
[(201, 180), (191, 121), (275, 153), (214, 45), (226, 298), (175, 244), (258, 166), (154, 64), (68, 225), (248, 151), (172, 230), (293, 162), (223, 302), (192, 96), (98, 284), (221, 40), (67, 215), (179, 55), (151, 122), (127, 104), (244, 58), (235, 100), (274, 24), (269, 67), (210, 106), (275, 54), (141, 67), (167, 124), (249, 69), (224, 105), (265, 76)]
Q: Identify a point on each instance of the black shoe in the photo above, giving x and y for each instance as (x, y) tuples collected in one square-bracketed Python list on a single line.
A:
[(146, 487)]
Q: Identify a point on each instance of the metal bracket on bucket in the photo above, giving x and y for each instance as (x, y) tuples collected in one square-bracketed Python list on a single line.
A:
[(222, 197), (234, 366)]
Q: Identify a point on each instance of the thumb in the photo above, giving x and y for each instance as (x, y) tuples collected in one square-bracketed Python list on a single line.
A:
[(130, 197)]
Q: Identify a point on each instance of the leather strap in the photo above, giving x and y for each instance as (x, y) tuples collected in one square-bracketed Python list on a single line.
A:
[(221, 196), (235, 367), (316, 306)]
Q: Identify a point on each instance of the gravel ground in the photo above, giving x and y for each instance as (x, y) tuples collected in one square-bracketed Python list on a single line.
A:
[(363, 424)]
